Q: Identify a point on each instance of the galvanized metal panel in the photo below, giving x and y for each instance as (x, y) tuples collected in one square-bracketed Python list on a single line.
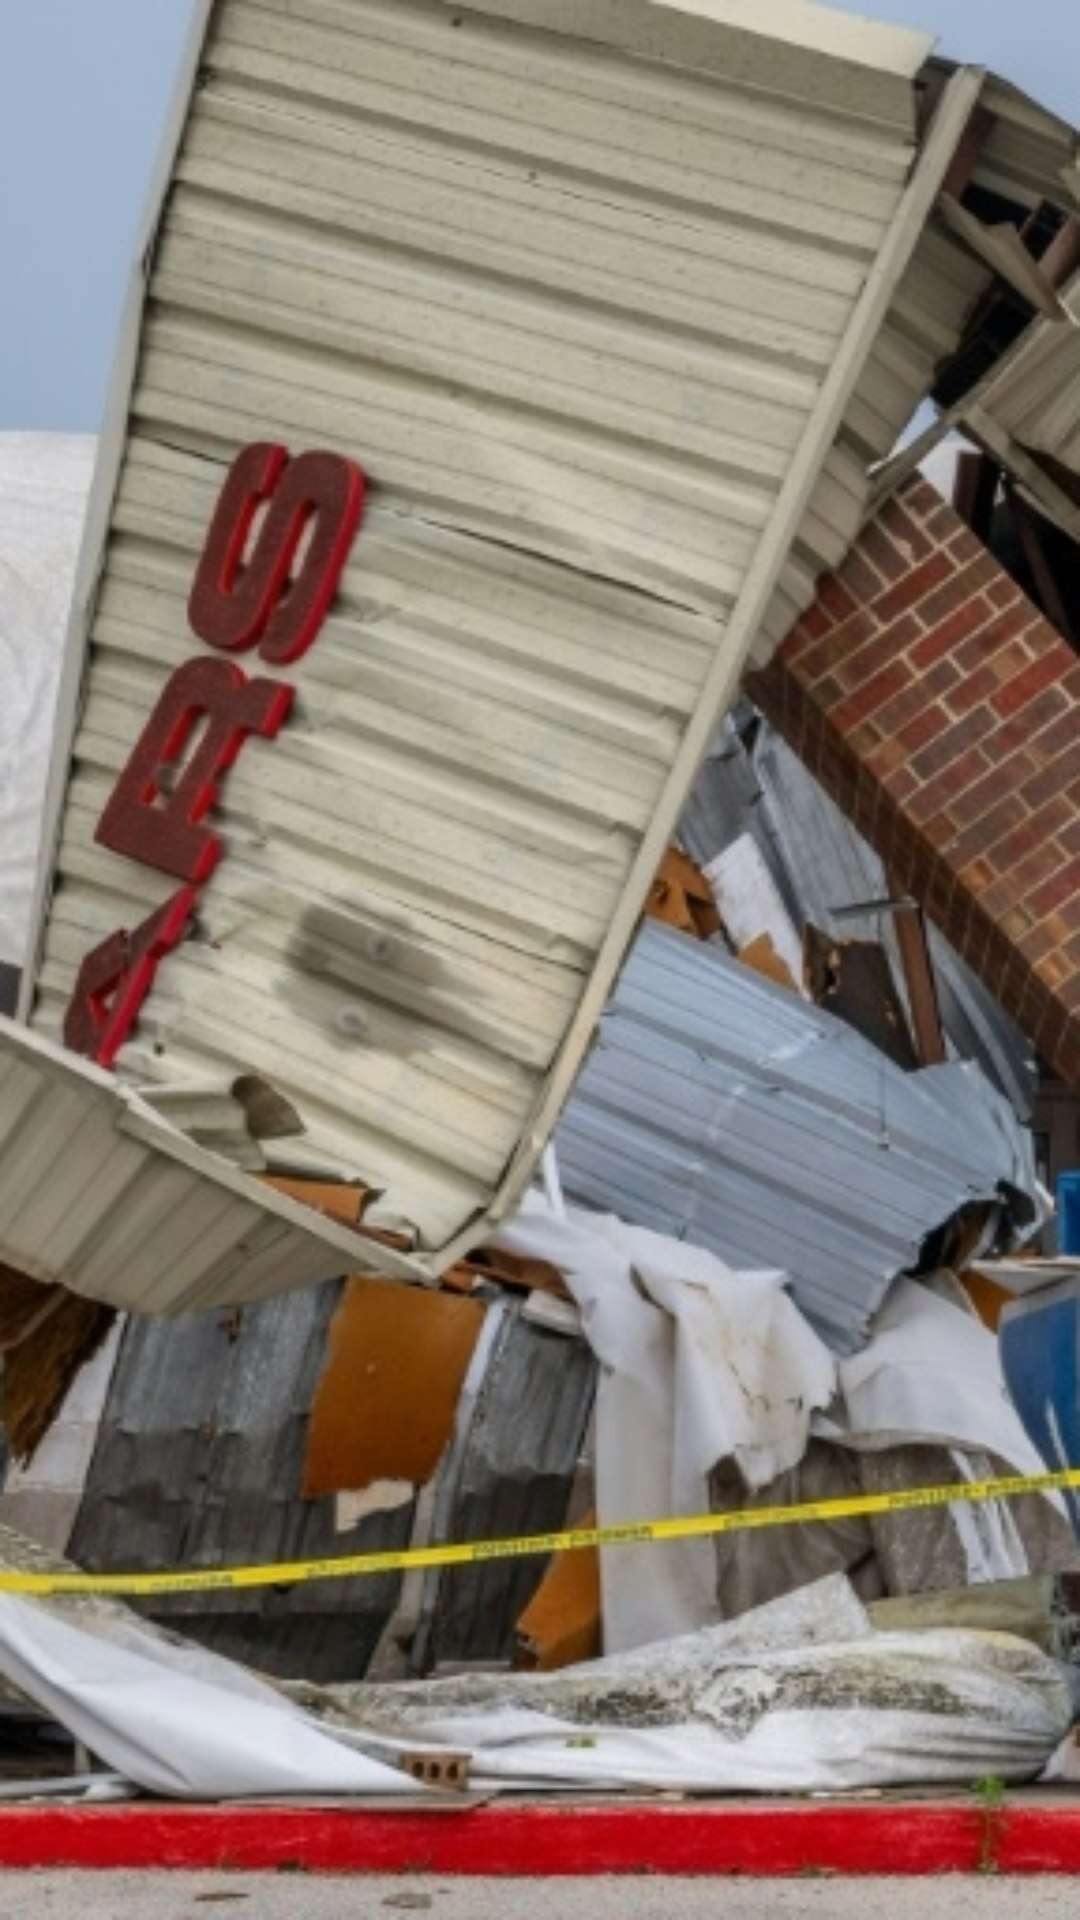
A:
[(200, 1462), (824, 868), (589, 307), (724, 1110), (99, 1194)]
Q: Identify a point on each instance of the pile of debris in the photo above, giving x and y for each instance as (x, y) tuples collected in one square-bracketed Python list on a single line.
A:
[(740, 1203)]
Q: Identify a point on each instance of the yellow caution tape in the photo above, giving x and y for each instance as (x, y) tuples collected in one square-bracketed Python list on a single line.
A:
[(685, 1527)]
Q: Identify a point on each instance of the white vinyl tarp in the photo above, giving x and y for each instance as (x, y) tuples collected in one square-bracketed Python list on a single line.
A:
[(698, 1364), (44, 486), (172, 1718)]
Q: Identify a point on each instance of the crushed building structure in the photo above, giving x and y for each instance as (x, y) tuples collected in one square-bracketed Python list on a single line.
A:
[(621, 307)]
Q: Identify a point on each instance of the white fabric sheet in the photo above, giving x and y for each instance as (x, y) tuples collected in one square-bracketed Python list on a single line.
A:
[(173, 1719), (698, 1364), (44, 486)]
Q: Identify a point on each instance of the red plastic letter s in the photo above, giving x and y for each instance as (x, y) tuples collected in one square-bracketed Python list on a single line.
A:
[(233, 605)]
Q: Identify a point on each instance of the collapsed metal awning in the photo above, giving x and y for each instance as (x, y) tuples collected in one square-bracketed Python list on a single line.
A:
[(99, 1195)]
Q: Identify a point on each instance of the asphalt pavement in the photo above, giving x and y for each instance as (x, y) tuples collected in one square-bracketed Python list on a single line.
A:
[(167, 1896)]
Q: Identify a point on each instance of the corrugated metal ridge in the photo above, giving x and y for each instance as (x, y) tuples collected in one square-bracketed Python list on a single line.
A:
[(722, 1109), (591, 350)]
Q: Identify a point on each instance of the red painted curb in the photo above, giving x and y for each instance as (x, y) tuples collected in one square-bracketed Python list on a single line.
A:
[(766, 1839)]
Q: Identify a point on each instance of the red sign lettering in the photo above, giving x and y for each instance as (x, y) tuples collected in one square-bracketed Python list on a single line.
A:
[(157, 813), (115, 979), (232, 605), (160, 827)]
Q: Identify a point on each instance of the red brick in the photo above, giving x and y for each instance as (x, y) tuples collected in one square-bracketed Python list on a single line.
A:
[(905, 532), (1010, 661), (983, 835), (927, 725), (1037, 714), (1040, 941), (860, 662), (860, 578), (902, 785), (941, 524), (869, 697), (1056, 777), (1023, 880), (1035, 831), (1059, 738), (1016, 693), (906, 705), (876, 547), (1064, 886), (835, 598), (968, 693), (948, 633), (952, 742), (1006, 776), (986, 642), (1004, 591), (844, 638), (962, 587), (815, 621), (944, 787), (964, 546), (914, 587), (921, 498)]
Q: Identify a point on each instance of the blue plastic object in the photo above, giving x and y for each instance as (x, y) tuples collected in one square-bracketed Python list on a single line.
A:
[(1040, 1354), (1068, 1211)]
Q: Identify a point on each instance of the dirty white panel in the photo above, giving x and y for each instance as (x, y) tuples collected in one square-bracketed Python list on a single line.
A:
[(44, 481), (924, 327), (99, 1195), (1034, 396), (574, 303)]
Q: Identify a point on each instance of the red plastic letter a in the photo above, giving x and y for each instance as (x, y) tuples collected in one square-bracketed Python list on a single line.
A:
[(115, 979), (233, 605), (159, 803)]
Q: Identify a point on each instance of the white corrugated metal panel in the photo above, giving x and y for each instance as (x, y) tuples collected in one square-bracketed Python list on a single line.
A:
[(924, 327), (44, 481), (1034, 396), (1028, 151), (98, 1194), (588, 310)]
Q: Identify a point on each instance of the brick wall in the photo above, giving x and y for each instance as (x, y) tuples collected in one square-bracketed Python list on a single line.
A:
[(942, 712)]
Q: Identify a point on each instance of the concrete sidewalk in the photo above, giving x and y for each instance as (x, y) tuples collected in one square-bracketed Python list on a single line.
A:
[(298, 1897)]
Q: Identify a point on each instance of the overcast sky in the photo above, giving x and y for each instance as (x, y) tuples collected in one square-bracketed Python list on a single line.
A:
[(84, 86)]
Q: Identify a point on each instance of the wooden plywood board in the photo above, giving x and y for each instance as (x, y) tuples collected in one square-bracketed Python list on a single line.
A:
[(384, 1408)]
